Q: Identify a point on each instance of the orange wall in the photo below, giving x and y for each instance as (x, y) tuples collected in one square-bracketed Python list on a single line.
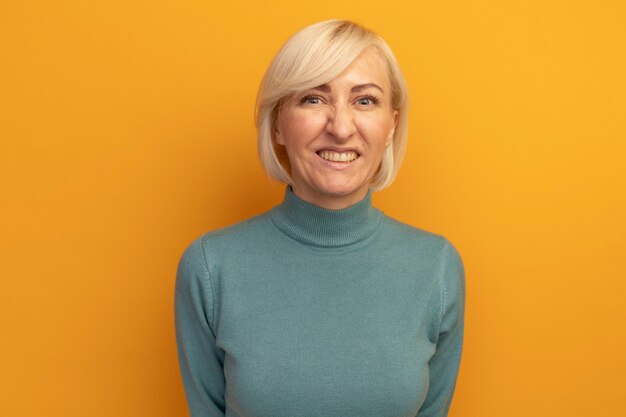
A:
[(126, 131)]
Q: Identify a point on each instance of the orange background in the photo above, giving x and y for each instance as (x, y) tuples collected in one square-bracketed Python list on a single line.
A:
[(127, 131)]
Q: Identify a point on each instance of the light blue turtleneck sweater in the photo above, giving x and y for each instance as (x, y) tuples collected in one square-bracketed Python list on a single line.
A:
[(303, 311)]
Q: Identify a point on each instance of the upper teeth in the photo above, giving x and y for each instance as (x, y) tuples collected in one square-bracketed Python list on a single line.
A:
[(338, 156)]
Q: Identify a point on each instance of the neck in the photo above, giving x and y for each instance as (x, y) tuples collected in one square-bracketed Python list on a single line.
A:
[(318, 226), (332, 202)]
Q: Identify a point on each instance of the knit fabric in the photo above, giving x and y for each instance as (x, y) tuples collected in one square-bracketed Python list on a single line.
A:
[(303, 311)]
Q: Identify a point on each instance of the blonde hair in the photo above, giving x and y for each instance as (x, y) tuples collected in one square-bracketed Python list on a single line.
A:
[(314, 56)]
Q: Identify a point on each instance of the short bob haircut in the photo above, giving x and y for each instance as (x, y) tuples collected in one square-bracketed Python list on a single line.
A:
[(314, 56)]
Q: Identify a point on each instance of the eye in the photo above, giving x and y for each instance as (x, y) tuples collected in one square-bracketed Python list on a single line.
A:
[(309, 99), (367, 101)]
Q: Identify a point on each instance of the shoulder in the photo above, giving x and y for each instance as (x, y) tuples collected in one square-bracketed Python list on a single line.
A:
[(403, 233), (423, 246), (226, 239), (448, 267)]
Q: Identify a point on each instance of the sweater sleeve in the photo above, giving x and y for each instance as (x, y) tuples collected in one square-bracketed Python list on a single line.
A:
[(200, 360), (444, 364)]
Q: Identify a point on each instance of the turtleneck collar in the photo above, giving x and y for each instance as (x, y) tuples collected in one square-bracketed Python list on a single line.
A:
[(317, 226)]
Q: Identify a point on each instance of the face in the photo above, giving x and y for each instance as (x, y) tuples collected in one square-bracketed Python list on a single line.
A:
[(335, 134)]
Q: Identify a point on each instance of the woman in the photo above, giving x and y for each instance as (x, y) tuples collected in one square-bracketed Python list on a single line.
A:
[(323, 306)]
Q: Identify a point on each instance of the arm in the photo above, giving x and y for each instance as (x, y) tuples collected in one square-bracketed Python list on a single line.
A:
[(199, 358), (444, 364)]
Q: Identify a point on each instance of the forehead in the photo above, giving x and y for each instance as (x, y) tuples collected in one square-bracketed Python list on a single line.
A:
[(368, 67)]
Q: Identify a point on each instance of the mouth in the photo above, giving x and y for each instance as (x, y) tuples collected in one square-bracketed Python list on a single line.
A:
[(334, 156)]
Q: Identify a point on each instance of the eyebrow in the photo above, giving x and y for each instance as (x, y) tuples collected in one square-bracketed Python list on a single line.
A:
[(326, 88), (360, 87)]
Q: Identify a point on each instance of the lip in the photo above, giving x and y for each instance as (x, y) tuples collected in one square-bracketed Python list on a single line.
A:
[(337, 149), (338, 166)]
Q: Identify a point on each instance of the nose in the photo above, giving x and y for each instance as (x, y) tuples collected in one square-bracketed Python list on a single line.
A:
[(340, 122)]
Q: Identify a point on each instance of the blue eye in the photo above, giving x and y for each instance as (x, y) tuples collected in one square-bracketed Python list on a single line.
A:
[(366, 101), (310, 100)]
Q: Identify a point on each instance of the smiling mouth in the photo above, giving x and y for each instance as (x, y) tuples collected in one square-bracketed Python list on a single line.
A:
[(333, 156)]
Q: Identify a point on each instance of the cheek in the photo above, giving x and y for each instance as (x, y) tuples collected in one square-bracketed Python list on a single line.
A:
[(376, 130), (296, 128)]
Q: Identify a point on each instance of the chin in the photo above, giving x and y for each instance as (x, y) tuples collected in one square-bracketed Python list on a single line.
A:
[(342, 190)]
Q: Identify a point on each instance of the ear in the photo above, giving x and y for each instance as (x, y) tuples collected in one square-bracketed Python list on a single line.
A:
[(278, 137), (393, 129)]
